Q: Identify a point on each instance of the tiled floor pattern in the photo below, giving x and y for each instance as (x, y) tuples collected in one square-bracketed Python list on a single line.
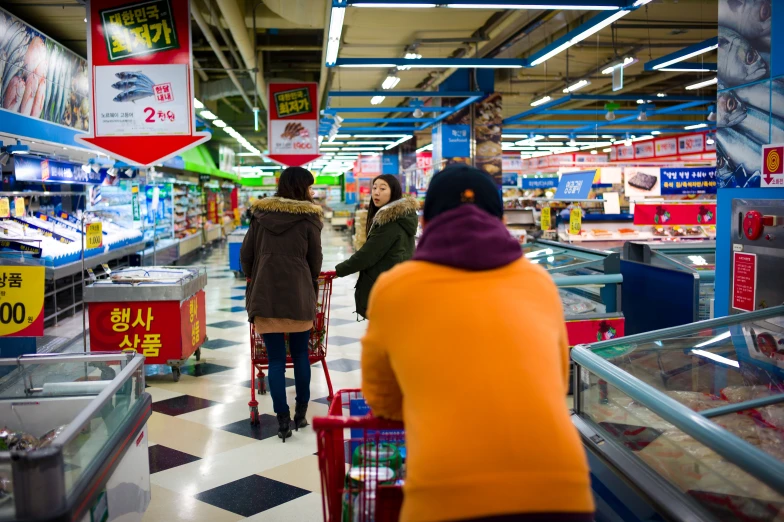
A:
[(207, 462)]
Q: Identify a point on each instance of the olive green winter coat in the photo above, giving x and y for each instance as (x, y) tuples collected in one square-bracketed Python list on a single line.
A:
[(390, 241)]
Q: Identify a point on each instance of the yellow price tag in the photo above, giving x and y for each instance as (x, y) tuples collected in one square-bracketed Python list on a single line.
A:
[(545, 218), (5, 208), (19, 207), (21, 301), (237, 221), (94, 237), (575, 221)]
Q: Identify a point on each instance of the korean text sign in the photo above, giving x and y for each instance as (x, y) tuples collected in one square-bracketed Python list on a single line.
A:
[(688, 181), (575, 185), (150, 327), (292, 123), (21, 301)]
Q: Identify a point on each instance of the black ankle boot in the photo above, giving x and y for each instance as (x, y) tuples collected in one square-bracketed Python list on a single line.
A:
[(299, 415), (284, 425)]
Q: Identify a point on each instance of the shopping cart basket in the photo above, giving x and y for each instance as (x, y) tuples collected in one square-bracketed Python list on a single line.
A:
[(259, 359), (371, 490)]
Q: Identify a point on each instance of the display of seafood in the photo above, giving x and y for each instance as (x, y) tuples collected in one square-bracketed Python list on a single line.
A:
[(133, 86), (292, 130), (750, 110), (39, 78)]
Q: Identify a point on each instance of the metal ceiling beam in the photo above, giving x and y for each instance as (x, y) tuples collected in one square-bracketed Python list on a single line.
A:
[(611, 5), (433, 63), (683, 54), (666, 110), (407, 94), (235, 19)]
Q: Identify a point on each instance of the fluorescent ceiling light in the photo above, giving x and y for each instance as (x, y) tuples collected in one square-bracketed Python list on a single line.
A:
[(375, 100), (409, 56), (229, 130), (367, 65), (335, 30), (375, 135), (457, 65), (398, 6), (576, 86), (390, 82), (368, 142), (706, 83), (360, 149), (655, 133), (326, 149), (642, 138), (425, 148), (639, 3), (582, 36), (629, 60), (660, 95), (710, 141), (677, 69), (640, 101), (197, 104), (219, 123), (717, 358), (697, 126), (398, 142), (608, 149), (207, 115), (687, 56), (534, 6), (540, 101)]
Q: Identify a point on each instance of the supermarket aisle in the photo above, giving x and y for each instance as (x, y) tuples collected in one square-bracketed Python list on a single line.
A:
[(207, 462)]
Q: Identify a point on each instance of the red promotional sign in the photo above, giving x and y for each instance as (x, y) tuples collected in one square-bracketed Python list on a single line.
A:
[(150, 328), (141, 79), (292, 123), (744, 281), (772, 166), (594, 330), (674, 214)]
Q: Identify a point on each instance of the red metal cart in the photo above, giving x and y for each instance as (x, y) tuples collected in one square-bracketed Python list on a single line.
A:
[(364, 494), (259, 360)]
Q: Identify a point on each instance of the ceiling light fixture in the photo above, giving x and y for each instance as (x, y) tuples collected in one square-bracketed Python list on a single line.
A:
[(576, 86), (642, 116), (540, 101), (390, 82), (593, 29), (629, 60), (697, 126), (706, 83), (219, 123), (197, 104), (682, 69), (375, 100), (660, 95), (391, 5), (398, 142), (640, 101), (698, 52), (335, 30), (410, 55), (711, 113), (611, 108), (207, 115), (655, 133), (19, 148)]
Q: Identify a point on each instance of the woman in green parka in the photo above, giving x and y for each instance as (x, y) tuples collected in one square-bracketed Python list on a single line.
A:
[(391, 229)]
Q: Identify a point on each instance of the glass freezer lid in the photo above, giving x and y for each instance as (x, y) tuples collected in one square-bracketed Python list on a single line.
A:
[(697, 260)]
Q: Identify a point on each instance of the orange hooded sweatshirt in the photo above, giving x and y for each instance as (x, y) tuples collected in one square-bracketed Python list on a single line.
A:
[(467, 345)]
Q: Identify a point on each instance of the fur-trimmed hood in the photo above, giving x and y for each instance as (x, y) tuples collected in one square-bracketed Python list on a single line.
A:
[(403, 207), (284, 205)]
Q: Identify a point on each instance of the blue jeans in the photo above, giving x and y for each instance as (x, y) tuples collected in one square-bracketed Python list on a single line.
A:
[(276, 350)]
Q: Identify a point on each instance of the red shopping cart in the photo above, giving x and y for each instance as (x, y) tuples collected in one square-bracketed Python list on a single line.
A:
[(259, 359), (371, 490)]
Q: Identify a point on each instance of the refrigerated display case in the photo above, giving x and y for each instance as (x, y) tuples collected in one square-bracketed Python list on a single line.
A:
[(589, 282), (686, 423), (74, 446)]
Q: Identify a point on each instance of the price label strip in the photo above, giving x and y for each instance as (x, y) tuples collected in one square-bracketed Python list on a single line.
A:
[(21, 301)]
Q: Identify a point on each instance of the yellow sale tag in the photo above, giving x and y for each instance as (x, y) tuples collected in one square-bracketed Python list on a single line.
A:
[(545, 218), (19, 207), (21, 301), (5, 207), (237, 221), (575, 221), (94, 237)]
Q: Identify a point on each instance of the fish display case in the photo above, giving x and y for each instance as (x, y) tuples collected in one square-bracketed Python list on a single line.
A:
[(159, 312), (676, 280), (686, 423), (74, 442), (589, 282)]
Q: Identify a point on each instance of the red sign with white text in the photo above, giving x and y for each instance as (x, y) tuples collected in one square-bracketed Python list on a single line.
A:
[(744, 281), (674, 214), (292, 123), (593, 330), (772, 166), (141, 80), (150, 328)]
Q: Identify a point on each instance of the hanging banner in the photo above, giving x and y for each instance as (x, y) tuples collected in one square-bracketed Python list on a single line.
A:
[(292, 123), (538, 183), (21, 301), (674, 214), (575, 185), (141, 80), (688, 181), (488, 122)]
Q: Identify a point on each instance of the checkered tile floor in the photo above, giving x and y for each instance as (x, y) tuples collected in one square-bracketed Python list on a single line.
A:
[(208, 463)]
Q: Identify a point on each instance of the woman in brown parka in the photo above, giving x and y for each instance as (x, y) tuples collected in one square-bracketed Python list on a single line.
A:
[(281, 254)]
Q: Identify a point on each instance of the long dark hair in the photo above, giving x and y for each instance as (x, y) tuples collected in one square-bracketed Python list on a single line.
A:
[(394, 188), (295, 183)]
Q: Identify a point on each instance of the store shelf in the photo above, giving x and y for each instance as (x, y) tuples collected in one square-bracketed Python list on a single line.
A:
[(90, 262)]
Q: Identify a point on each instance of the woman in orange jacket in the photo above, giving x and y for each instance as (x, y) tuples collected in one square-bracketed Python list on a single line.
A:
[(480, 309)]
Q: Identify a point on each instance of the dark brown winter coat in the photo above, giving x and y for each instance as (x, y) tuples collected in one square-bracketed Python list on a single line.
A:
[(281, 254)]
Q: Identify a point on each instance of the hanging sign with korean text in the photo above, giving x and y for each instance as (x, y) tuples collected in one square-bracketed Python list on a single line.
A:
[(575, 185), (292, 123), (21, 301), (141, 79), (94, 235), (688, 181)]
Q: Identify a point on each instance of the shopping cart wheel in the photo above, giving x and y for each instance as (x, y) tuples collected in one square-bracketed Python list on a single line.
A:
[(197, 353), (175, 374), (254, 416), (262, 386)]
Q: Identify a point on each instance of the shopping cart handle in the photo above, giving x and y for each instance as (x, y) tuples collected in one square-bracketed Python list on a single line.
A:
[(331, 274)]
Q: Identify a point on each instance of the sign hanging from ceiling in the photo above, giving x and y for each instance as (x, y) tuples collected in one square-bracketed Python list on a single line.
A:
[(292, 123), (141, 80)]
